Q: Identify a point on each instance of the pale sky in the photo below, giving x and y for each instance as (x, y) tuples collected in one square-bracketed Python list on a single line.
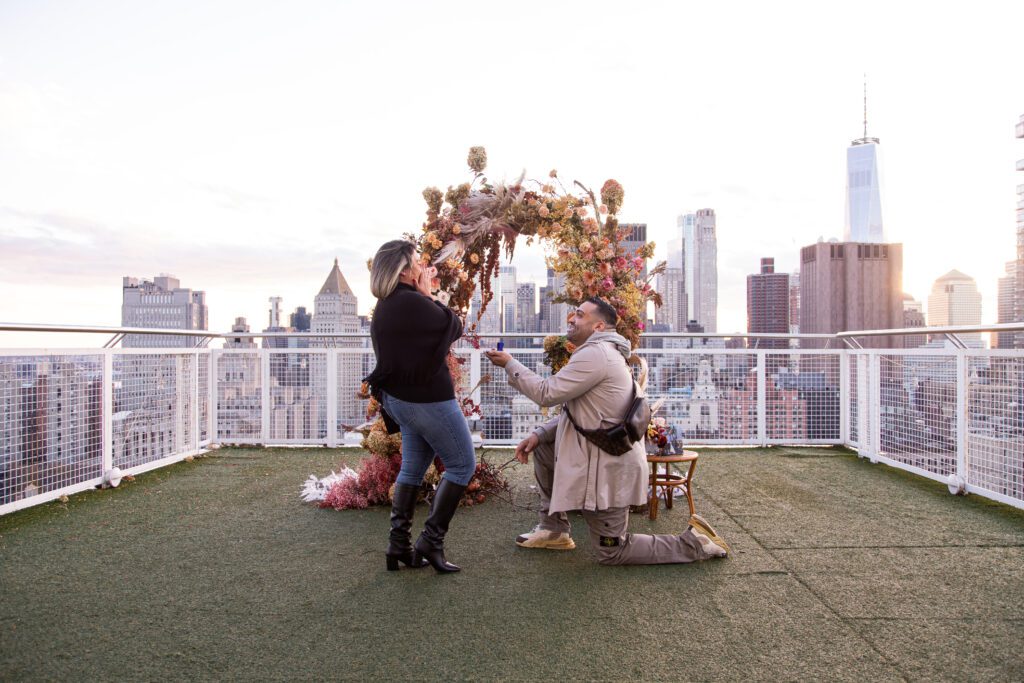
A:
[(241, 146)]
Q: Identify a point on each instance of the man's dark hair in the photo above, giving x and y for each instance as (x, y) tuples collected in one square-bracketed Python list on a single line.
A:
[(605, 311)]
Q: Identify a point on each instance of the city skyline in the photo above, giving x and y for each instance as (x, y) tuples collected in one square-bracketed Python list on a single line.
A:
[(244, 170)]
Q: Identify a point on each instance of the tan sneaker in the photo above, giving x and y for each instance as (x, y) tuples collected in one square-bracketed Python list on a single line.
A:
[(542, 538), (701, 527), (709, 547)]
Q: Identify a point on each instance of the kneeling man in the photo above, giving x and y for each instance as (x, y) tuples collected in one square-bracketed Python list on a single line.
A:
[(573, 473)]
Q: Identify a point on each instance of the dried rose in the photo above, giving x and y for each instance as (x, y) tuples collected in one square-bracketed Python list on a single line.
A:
[(433, 197), (477, 159), (474, 258), (612, 195), (455, 196)]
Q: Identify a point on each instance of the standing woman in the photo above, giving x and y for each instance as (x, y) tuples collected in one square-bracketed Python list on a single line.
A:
[(412, 334)]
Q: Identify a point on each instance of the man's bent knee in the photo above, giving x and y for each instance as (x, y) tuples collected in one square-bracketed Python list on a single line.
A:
[(609, 550)]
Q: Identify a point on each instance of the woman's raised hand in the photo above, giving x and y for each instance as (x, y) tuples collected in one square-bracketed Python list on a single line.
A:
[(424, 284)]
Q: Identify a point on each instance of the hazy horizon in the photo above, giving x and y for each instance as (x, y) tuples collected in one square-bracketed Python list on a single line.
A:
[(243, 146)]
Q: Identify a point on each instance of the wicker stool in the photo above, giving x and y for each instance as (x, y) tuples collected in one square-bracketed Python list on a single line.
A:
[(667, 481)]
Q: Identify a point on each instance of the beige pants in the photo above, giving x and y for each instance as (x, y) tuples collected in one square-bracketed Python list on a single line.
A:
[(609, 536)]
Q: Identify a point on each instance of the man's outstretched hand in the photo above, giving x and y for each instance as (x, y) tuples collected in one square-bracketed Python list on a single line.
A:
[(499, 358), (526, 447)]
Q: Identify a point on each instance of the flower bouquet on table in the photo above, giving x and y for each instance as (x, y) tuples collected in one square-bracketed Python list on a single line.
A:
[(658, 441)]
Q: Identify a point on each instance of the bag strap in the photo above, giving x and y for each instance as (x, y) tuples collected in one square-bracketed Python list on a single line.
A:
[(584, 432)]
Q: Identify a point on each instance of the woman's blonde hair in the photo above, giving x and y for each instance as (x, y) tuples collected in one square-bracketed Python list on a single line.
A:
[(392, 258)]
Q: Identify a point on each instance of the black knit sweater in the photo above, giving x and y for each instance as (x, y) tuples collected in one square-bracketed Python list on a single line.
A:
[(411, 337)]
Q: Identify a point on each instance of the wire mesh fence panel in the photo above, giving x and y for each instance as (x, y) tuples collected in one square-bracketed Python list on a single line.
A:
[(203, 394), (995, 426), (706, 397), (153, 407), (239, 397), (917, 411), (802, 397), (352, 367), (298, 395), (509, 416), (853, 390), (51, 423)]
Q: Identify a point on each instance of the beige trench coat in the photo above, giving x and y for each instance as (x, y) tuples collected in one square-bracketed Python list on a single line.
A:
[(597, 385)]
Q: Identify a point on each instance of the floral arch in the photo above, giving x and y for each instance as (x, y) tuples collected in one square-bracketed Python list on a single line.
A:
[(466, 230)]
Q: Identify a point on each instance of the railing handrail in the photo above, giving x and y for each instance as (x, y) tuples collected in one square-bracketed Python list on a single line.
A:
[(942, 329), (100, 329)]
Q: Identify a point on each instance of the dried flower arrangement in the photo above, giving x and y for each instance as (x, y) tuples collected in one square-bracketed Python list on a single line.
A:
[(466, 230)]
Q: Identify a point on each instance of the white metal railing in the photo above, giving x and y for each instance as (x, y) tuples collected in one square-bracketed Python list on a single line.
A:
[(71, 418)]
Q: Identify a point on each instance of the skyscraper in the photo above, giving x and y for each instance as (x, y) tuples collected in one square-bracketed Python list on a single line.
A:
[(687, 225), (509, 293), (241, 325), (846, 286), (705, 271), (794, 302), (543, 309), (274, 325), (161, 303), (334, 312), (490, 321), (768, 305), (526, 307), (672, 288), (1018, 304), (300, 319), (863, 188), (1007, 306), (913, 316), (955, 301), (334, 309), (557, 312)]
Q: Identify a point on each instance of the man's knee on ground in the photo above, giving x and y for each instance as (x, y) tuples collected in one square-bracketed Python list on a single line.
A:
[(609, 549)]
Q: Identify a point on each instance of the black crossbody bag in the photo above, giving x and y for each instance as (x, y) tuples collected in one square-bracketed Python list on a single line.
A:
[(620, 438)]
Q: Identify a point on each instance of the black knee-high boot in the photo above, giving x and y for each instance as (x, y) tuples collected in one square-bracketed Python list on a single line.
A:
[(430, 544), (400, 540)]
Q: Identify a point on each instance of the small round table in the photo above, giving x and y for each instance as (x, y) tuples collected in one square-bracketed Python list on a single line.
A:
[(667, 481)]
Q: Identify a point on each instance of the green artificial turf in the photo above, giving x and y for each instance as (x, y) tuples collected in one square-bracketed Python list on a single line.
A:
[(215, 570)]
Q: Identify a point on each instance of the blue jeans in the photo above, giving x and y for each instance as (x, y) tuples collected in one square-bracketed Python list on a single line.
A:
[(429, 428)]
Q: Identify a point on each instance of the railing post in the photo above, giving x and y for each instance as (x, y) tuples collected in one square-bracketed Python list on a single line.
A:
[(211, 390), (762, 400), (197, 436), (863, 403), (108, 411), (875, 421), (474, 374), (332, 397), (264, 395), (844, 397), (958, 484)]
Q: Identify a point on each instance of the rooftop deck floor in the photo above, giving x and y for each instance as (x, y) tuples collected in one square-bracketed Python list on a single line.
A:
[(215, 569)]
